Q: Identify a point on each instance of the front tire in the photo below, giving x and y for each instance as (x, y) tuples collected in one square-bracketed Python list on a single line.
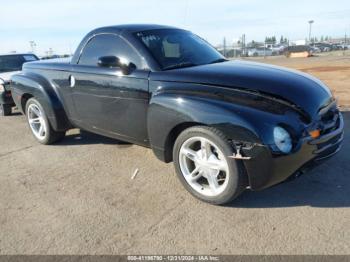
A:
[(202, 164), (5, 110), (40, 125)]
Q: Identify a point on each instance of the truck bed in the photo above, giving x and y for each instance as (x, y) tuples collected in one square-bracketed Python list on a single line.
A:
[(61, 64)]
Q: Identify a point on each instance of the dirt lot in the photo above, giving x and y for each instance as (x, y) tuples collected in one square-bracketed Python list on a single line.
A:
[(77, 197), (332, 68)]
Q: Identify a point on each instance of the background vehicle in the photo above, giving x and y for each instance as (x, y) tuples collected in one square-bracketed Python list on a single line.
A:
[(343, 46), (315, 49), (50, 57), (10, 65), (226, 125), (324, 47), (298, 50), (260, 51), (277, 49)]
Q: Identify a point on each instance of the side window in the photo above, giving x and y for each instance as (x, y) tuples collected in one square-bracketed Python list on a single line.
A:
[(108, 45)]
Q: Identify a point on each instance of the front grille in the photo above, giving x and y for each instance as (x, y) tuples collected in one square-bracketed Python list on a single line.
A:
[(331, 126), (331, 141)]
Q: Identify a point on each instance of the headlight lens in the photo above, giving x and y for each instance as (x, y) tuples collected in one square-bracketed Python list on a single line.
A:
[(2, 85), (282, 139)]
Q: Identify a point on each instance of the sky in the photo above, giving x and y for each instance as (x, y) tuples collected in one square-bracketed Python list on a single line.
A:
[(61, 25)]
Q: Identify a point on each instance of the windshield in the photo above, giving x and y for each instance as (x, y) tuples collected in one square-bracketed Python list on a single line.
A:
[(10, 63), (173, 48)]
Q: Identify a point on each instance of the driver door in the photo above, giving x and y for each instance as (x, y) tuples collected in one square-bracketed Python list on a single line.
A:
[(107, 101)]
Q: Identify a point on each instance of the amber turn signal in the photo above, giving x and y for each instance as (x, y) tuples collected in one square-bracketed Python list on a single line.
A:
[(315, 133)]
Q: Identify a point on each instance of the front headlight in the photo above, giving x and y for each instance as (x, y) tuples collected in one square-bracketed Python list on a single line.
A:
[(282, 139), (2, 85)]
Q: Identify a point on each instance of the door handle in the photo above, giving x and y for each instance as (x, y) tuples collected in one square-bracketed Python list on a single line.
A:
[(71, 81)]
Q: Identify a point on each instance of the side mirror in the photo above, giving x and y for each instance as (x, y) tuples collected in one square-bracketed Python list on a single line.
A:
[(108, 61), (113, 61)]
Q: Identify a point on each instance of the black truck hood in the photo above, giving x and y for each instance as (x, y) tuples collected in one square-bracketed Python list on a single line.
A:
[(298, 88)]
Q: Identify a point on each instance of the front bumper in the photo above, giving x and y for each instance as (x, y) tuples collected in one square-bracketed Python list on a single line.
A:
[(6, 98), (265, 169)]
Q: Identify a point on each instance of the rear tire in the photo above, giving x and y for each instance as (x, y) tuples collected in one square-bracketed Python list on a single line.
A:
[(5, 110), (40, 125), (202, 164)]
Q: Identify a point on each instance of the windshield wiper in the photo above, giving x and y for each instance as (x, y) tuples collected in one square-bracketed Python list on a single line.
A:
[(218, 61), (179, 65)]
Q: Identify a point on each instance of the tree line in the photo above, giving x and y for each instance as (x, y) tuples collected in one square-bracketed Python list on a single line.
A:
[(284, 40)]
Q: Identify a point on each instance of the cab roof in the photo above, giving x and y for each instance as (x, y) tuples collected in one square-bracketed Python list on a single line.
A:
[(131, 28), (124, 30)]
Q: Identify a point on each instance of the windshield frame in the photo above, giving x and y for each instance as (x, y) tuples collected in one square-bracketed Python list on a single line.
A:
[(162, 67)]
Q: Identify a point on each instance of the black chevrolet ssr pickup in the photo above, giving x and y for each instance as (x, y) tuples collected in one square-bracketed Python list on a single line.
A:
[(226, 125)]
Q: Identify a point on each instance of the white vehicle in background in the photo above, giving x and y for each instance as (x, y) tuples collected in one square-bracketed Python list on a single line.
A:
[(315, 49), (277, 49), (260, 51), (10, 65), (345, 47)]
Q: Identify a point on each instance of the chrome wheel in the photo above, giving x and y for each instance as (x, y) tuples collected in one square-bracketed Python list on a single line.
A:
[(204, 166), (36, 121)]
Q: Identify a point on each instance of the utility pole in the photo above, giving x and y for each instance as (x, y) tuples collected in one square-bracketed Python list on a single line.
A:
[(32, 46), (310, 23), (345, 44), (345, 40), (243, 45), (186, 12), (224, 46)]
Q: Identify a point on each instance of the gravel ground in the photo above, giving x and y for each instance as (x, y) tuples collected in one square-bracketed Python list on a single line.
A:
[(77, 197)]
